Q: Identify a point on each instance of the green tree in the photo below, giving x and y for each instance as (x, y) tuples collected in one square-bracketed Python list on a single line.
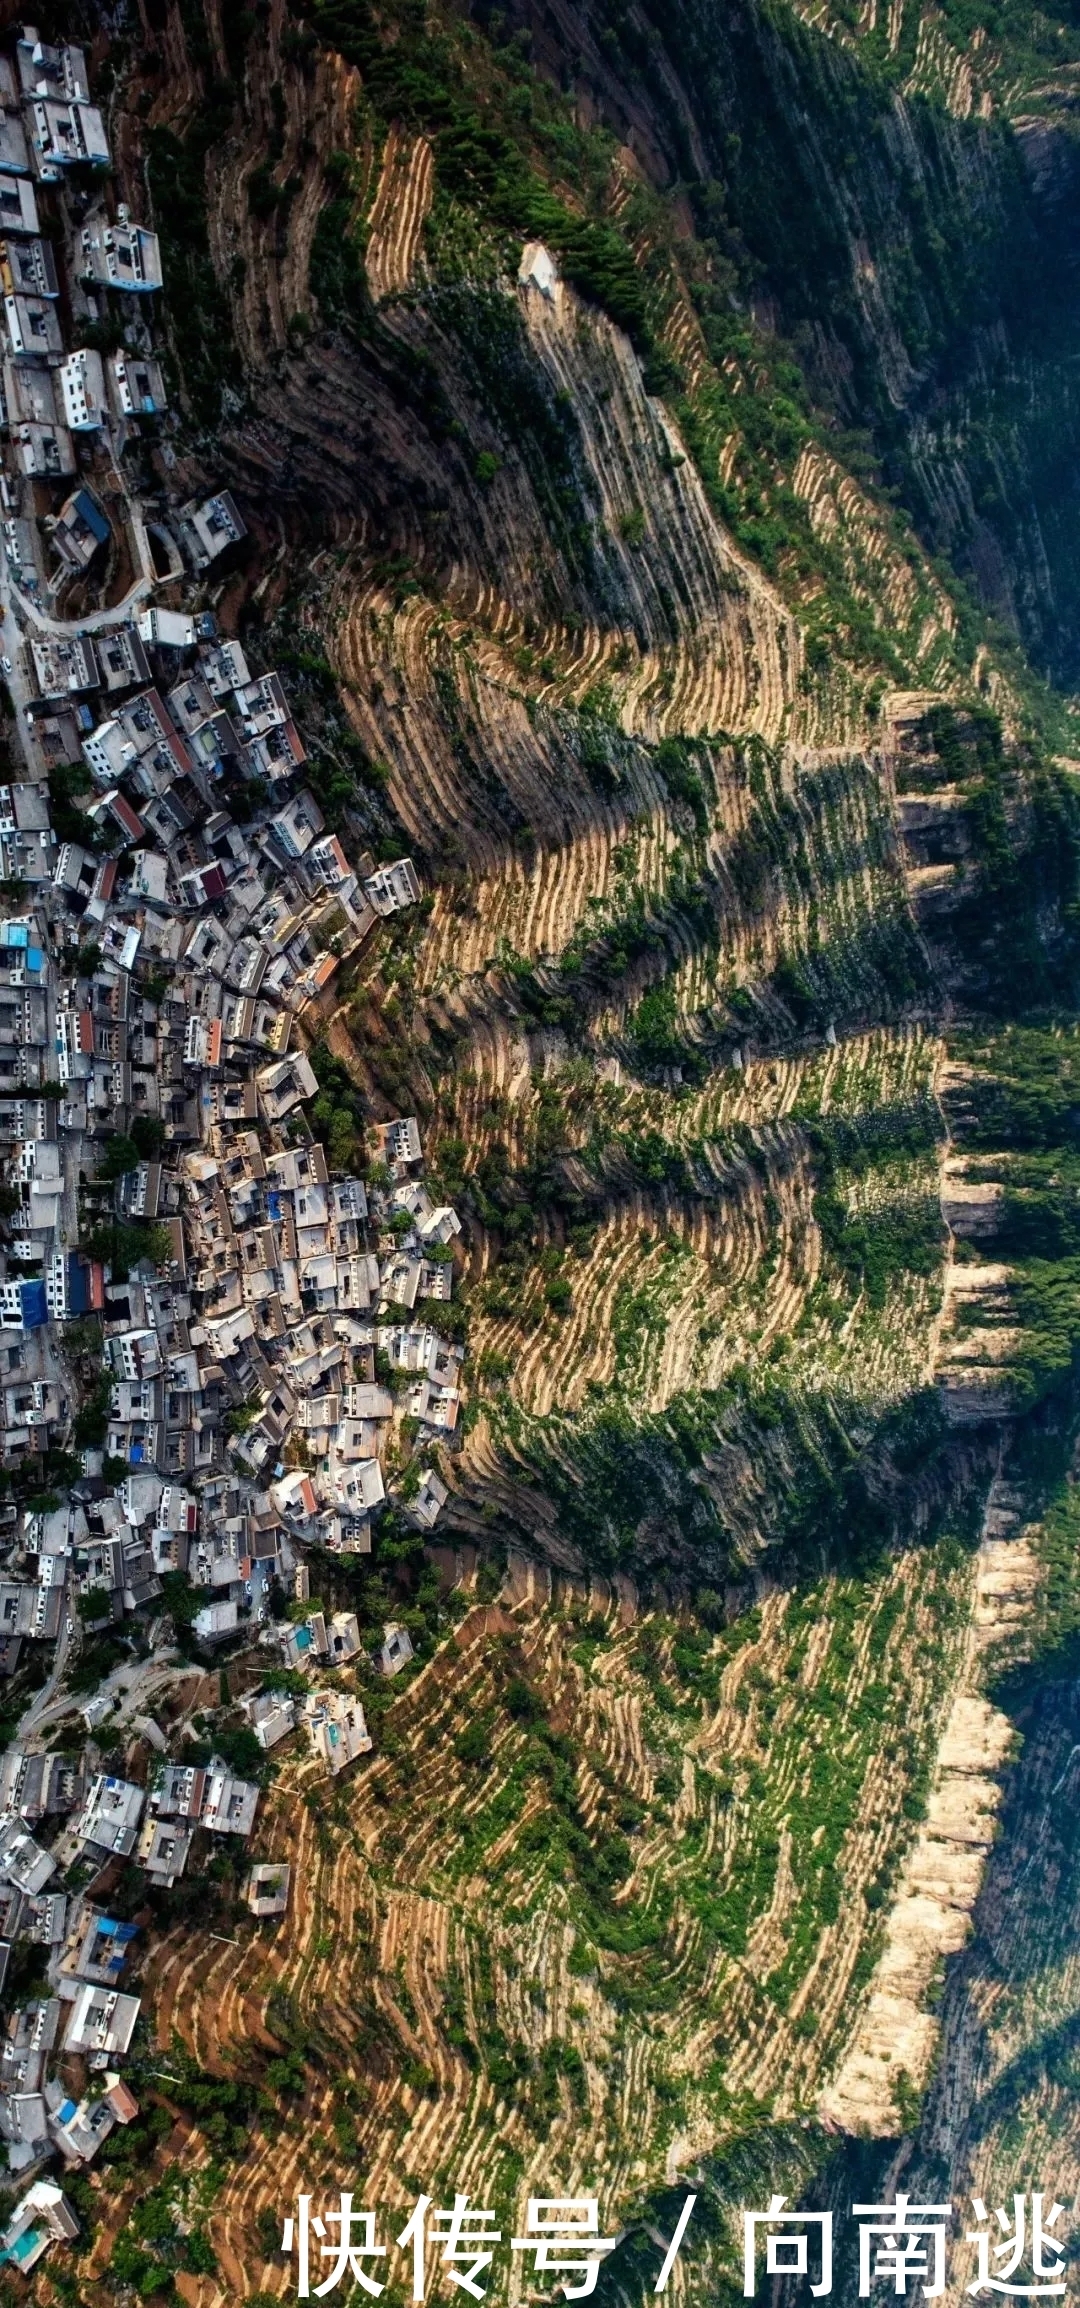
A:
[(118, 1156)]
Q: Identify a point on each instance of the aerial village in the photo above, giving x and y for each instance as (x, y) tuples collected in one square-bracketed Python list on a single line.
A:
[(254, 1328)]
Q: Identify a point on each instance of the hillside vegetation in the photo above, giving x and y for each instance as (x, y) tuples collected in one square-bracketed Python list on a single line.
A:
[(692, 627)]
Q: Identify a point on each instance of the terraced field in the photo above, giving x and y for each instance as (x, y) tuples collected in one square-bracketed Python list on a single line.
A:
[(687, 1907), (738, 1023)]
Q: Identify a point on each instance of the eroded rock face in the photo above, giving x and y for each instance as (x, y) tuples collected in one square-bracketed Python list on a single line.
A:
[(896, 2037)]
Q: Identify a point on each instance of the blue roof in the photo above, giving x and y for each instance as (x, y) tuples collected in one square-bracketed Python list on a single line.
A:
[(34, 957), (135, 1454), (108, 1928), (35, 1309), (89, 512), (16, 934), (78, 1283)]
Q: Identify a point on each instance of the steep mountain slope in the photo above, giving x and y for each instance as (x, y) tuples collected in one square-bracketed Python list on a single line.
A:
[(738, 1025), (900, 198)]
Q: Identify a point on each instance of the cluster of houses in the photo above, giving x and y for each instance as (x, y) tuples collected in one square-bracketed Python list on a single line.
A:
[(87, 2011), (68, 263), (154, 845), (287, 1292), (54, 1893), (87, 2015), (268, 1334), (307, 1290)]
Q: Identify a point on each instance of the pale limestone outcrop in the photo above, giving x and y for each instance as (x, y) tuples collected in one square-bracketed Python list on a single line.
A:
[(896, 2036)]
